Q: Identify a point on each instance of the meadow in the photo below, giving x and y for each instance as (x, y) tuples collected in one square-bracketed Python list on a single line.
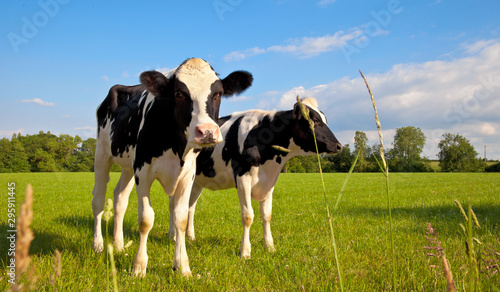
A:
[(304, 259)]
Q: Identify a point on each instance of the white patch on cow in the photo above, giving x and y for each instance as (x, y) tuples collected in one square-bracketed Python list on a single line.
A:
[(123, 160), (198, 76), (150, 99), (170, 73), (250, 120), (313, 104)]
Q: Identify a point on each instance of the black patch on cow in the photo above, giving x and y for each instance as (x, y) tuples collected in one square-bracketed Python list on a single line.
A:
[(258, 145), (122, 108), (205, 163), (276, 131), (118, 96), (236, 82), (214, 99), (136, 180), (222, 120), (165, 124), (303, 137)]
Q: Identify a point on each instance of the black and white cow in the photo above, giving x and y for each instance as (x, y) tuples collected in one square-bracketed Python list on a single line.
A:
[(249, 160), (156, 130)]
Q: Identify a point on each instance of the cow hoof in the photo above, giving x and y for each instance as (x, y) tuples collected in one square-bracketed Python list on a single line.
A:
[(191, 237), (118, 246), (171, 235), (98, 245), (186, 273), (139, 271), (271, 249), (140, 264)]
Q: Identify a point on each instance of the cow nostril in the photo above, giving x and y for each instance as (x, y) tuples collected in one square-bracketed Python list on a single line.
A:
[(199, 133), (339, 147)]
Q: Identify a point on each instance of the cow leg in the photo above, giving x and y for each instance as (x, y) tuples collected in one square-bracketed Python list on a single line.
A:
[(102, 167), (195, 195), (266, 209), (244, 194), (121, 194), (180, 206), (146, 218)]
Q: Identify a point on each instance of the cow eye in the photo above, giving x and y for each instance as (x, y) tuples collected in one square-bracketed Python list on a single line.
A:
[(218, 95), (179, 94)]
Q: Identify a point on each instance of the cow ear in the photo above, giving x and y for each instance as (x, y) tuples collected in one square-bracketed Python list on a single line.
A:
[(154, 82), (297, 112), (236, 83)]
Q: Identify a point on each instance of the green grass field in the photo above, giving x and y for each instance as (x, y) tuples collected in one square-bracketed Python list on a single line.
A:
[(304, 258)]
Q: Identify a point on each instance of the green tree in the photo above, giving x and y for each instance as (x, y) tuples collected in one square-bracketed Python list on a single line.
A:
[(340, 162), (82, 159), (42, 161), (458, 155), (360, 140), (408, 145), (13, 156)]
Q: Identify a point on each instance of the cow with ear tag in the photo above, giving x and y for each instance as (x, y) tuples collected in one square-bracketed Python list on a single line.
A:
[(256, 146), (156, 130)]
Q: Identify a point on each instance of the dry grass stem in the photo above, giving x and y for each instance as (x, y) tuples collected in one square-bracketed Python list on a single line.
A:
[(57, 269), (450, 284), (281, 148), (305, 113), (435, 245), (379, 127), (24, 237), (385, 170)]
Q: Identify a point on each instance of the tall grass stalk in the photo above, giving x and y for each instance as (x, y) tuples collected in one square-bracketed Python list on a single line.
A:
[(113, 267), (305, 113), (106, 216), (345, 181), (385, 170), (470, 219)]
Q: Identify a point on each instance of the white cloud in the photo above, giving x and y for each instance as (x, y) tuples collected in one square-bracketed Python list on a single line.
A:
[(162, 70), (125, 74), (240, 55), (270, 93), (9, 133), (457, 96), (105, 78), (86, 128), (38, 101), (473, 48), (305, 47), (487, 129), (238, 98)]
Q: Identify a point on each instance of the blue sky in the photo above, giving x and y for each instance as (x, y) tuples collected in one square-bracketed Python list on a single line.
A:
[(431, 64)]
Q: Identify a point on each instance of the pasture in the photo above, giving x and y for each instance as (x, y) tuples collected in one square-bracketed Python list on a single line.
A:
[(304, 258)]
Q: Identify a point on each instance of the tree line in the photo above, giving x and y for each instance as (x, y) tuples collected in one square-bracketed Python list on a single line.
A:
[(456, 154), (46, 152)]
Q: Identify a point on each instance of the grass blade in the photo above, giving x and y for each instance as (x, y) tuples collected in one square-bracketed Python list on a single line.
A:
[(386, 173), (305, 112), (345, 182)]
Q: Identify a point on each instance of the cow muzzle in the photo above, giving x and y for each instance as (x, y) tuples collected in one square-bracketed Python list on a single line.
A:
[(207, 134)]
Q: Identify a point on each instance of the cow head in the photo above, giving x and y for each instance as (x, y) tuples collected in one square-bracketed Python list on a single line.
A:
[(194, 91), (302, 134)]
